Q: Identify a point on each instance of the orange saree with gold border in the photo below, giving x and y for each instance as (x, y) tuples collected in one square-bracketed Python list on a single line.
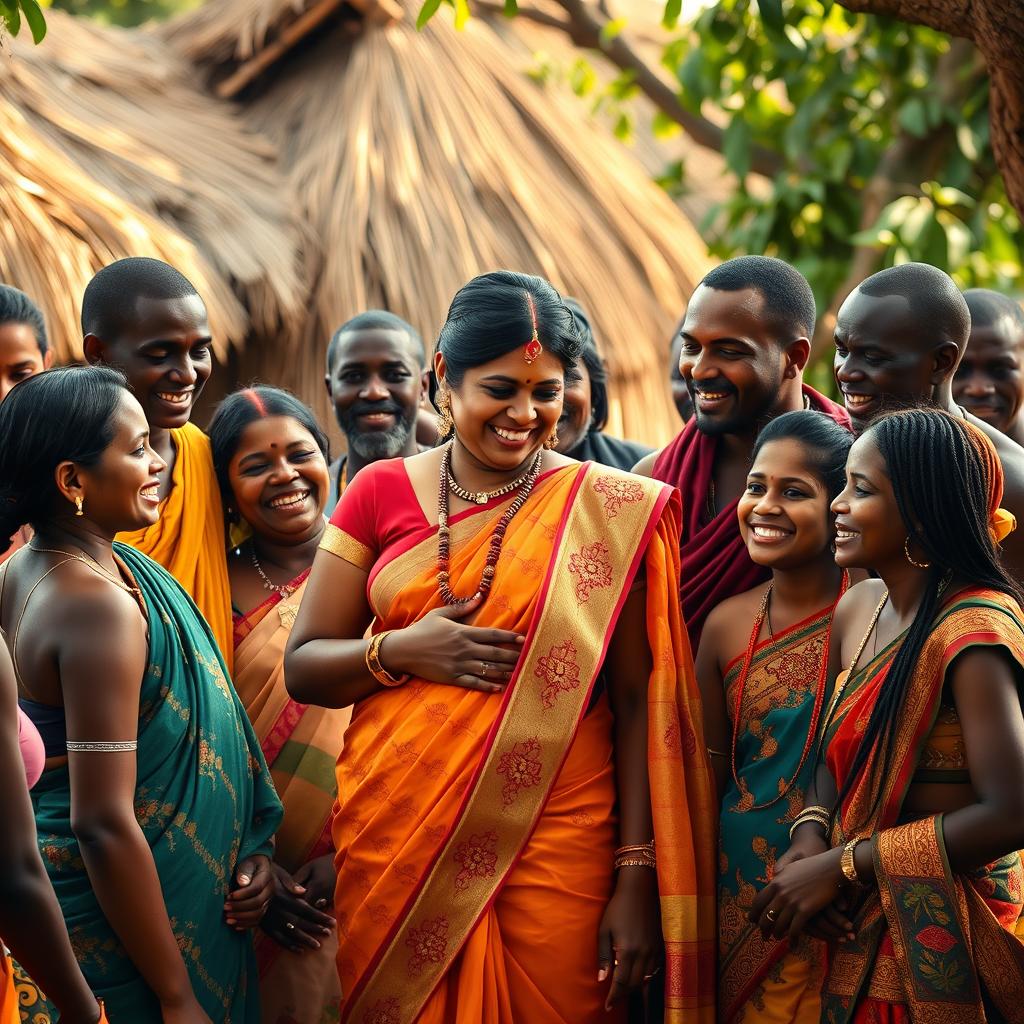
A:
[(475, 832), (932, 947)]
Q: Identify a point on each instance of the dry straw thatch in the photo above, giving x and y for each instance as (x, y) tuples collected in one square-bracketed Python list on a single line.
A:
[(423, 158), (109, 148)]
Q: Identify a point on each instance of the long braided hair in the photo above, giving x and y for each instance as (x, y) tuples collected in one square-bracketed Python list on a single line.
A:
[(948, 482)]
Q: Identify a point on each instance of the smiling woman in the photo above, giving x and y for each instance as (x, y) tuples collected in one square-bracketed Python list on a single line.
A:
[(271, 461), (522, 609)]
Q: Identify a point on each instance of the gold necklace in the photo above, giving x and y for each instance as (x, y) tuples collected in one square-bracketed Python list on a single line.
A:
[(86, 559), (482, 497)]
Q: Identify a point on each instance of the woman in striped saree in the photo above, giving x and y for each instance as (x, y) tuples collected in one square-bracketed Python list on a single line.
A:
[(271, 461), (526, 718), (906, 855)]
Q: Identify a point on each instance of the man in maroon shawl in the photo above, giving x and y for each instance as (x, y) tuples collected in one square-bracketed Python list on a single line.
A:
[(745, 342)]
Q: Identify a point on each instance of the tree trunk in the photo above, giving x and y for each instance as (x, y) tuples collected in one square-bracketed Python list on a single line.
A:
[(996, 27)]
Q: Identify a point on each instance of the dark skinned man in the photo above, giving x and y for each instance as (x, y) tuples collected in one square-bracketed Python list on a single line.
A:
[(744, 345), (376, 381), (989, 382), (143, 317), (899, 339)]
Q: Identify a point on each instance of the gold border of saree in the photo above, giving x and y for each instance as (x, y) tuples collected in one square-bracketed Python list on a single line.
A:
[(588, 579)]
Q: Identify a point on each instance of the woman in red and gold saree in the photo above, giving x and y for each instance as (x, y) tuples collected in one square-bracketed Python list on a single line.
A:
[(271, 460), (923, 745), (492, 770), (762, 672)]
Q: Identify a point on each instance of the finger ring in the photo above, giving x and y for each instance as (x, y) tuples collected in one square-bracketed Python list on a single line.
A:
[(771, 915), (483, 668), (321, 903), (289, 926)]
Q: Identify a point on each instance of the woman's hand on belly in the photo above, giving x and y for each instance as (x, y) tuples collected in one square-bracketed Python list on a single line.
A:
[(443, 649), (630, 945)]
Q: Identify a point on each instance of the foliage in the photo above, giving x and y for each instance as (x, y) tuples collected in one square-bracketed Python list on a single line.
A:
[(832, 97), (14, 13), (127, 13)]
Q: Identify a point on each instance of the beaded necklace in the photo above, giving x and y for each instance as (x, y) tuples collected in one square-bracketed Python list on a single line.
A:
[(493, 553), (819, 696)]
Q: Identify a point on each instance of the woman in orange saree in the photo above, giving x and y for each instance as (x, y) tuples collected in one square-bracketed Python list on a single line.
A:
[(923, 744), (271, 461), (493, 777)]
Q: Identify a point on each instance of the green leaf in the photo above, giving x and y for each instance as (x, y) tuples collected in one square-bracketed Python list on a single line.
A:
[(673, 8), (691, 78), (611, 30), (511, 8), (772, 16), (664, 127), (914, 118), (427, 11), (12, 18), (623, 128), (582, 78), (965, 139), (736, 147), (35, 19)]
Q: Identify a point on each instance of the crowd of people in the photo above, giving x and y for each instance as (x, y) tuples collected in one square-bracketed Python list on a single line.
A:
[(497, 718)]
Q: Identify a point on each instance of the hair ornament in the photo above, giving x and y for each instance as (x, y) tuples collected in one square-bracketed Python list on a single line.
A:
[(533, 348), (1001, 524)]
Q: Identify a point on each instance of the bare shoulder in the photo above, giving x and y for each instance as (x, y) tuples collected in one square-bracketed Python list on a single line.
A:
[(727, 628), (1011, 455), (645, 467), (857, 606)]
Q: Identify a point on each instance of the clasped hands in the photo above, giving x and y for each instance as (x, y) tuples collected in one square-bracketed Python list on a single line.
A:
[(807, 894)]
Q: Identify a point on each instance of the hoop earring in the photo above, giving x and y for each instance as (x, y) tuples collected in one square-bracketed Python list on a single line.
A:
[(552, 442), (910, 558), (79, 503), (445, 423)]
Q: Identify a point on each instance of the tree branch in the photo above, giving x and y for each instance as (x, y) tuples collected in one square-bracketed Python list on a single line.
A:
[(584, 29)]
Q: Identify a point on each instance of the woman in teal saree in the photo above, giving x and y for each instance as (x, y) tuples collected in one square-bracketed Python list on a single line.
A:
[(165, 941)]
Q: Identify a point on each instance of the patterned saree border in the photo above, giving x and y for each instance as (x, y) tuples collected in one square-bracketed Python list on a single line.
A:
[(591, 571)]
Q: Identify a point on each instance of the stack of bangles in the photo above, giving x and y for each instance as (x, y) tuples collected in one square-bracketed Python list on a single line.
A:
[(639, 855), (376, 669), (819, 815)]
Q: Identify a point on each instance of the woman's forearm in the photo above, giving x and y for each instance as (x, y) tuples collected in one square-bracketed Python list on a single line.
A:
[(42, 947), (636, 823), (330, 673), (123, 875)]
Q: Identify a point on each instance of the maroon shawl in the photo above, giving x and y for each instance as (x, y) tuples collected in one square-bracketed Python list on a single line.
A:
[(715, 563)]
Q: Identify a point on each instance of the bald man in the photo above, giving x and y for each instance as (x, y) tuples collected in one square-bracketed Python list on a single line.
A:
[(989, 381), (899, 338)]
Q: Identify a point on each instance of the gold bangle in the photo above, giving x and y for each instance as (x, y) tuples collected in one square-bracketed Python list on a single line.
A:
[(646, 847), (807, 821), (636, 864), (848, 865), (376, 669)]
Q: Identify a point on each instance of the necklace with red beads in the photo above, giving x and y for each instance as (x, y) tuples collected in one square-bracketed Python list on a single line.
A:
[(497, 537)]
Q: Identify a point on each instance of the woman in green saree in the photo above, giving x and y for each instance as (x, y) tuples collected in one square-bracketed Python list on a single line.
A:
[(156, 812)]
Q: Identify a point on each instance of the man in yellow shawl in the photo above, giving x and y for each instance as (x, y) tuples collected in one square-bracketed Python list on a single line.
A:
[(148, 320)]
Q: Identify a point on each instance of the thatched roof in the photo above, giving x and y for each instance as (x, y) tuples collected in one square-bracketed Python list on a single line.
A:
[(422, 159), (109, 148)]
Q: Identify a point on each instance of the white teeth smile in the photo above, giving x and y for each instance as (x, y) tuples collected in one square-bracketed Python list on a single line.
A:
[(712, 396), (512, 435), (769, 532), (290, 500), (151, 492), (175, 397), (845, 535), (857, 400)]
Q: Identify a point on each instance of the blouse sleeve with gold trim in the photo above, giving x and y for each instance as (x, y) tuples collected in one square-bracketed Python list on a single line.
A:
[(350, 534)]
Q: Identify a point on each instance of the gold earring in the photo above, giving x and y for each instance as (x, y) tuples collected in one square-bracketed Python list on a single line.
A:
[(552, 442), (910, 558), (79, 502), (445, 423)]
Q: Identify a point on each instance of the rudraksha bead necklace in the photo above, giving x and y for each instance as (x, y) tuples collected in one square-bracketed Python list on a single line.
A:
[(494, 551)]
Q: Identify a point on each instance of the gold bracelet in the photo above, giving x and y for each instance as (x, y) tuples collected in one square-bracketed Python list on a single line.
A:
[(646, 847), (807, 821), (848, 865), (639, 855), (376, 669), (635, 864)]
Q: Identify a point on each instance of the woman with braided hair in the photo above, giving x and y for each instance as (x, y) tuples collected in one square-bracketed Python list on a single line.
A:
[(905, 856)]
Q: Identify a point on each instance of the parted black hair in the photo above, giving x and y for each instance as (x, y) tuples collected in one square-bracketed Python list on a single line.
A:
[(375, 319), (245, 406), (591, 359), (826, 443), (111, 296), (934, 299), (788, 298), (988, 307), (66, 414), (17, 308), (490, 317), (941, 483)]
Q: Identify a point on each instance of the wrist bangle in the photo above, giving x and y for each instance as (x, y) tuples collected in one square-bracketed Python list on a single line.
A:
[(376, 669), (809, 820), (636, 855), (848, 865)]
